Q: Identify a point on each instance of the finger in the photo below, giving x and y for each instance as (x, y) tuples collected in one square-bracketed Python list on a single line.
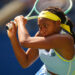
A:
[(10, 25), (14, 27), (12, 22), (7, 26), (18, 17)]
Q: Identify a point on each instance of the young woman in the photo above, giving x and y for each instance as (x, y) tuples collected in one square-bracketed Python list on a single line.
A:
[(53, 43)]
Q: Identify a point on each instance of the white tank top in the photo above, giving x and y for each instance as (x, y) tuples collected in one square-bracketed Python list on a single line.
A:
[(56, 63)]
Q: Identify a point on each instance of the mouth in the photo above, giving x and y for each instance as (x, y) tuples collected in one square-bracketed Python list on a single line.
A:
[(45, 34)]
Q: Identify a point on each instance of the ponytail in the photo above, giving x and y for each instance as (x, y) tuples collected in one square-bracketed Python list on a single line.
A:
[(71, 28)]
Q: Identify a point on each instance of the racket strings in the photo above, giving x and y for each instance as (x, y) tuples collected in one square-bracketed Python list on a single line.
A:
[(43, 4)]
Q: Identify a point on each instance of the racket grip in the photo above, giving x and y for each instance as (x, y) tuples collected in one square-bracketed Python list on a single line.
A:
[(9, 26)]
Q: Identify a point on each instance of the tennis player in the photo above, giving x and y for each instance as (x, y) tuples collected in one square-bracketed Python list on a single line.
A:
[(53, 43)]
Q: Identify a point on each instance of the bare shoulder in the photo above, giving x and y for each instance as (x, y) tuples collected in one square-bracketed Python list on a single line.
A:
[(69, 37), (68, 52), (64, 45)]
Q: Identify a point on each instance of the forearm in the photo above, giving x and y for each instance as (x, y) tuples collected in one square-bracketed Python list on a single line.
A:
[(25, 58), (19, 52), (22, 32)]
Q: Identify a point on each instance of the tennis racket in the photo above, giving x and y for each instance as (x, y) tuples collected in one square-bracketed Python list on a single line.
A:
[(40, 5)]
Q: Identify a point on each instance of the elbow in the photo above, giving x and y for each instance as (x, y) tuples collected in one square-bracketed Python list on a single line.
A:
[(24, 66)]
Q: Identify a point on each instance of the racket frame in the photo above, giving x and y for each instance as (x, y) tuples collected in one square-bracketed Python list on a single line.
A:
[(34, 9), (29, 17)]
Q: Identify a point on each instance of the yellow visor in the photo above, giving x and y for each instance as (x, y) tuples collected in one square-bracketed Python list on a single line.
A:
[(49, 15), (66, 27)]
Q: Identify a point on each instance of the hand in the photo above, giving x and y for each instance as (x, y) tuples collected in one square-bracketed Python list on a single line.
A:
[(20, 19), (12, 32)]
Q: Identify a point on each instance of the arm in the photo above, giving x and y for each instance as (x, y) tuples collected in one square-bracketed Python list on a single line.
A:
[(62, 43), (25, 58)]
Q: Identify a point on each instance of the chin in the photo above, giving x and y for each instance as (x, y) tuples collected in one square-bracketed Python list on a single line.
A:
[(48, 35), (45, 35)]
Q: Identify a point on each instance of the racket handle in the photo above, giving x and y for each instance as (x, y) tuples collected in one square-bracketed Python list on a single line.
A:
[(28, 18), (9, 26)]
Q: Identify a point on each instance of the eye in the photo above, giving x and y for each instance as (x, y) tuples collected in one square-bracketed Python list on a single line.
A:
[(45, 25)]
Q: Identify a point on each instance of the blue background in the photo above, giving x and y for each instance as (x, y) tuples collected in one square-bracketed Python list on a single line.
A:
[(8, 62)]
